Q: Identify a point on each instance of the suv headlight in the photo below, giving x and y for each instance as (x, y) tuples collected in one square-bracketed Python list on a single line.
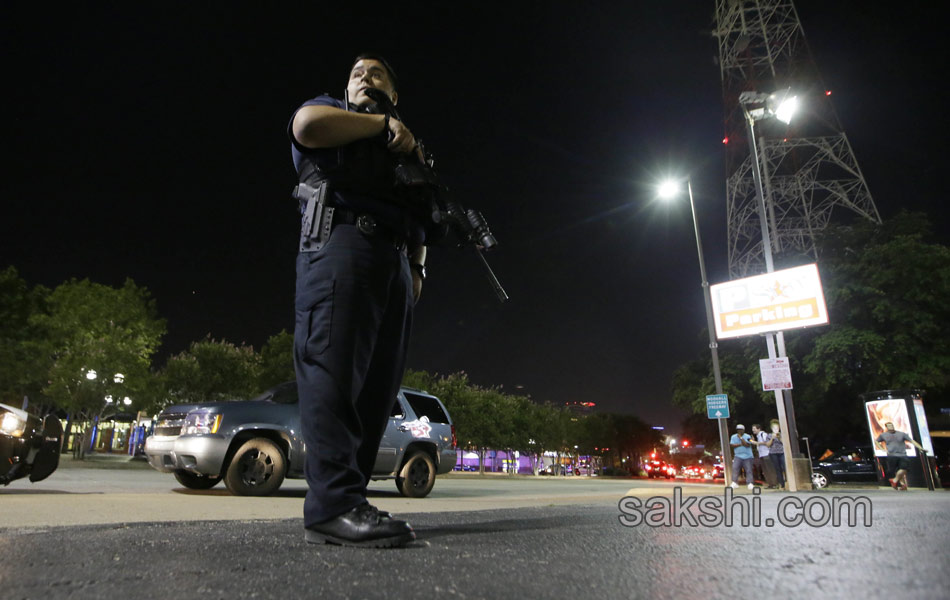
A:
[(12, 424), (201, 421)]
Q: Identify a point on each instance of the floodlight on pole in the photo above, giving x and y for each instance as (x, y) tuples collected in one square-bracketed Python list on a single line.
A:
[(668, 189), (782, 105), (786, 109)]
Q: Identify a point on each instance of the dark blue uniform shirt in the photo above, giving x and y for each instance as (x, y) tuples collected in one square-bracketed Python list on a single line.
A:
[(384, 210)]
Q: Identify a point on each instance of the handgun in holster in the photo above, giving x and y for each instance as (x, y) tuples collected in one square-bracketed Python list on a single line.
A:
[(316, 216)]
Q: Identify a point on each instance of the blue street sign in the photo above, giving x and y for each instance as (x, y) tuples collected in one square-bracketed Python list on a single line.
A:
[(717, 406)]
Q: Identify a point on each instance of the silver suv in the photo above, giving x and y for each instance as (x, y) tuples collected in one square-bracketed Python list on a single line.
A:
[(253, 445)]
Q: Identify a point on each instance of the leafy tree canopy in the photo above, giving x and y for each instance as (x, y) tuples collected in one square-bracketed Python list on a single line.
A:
[(99, 341), (212, 371)]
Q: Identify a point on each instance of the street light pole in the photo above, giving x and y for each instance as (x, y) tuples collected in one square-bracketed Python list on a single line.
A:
[(785, 409), (713, 345)]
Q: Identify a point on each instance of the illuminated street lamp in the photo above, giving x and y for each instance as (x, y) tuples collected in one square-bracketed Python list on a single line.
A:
[(91, 375), (757, 106), (669, 189)]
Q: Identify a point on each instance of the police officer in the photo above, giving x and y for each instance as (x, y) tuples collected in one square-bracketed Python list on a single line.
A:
[(359, 272)]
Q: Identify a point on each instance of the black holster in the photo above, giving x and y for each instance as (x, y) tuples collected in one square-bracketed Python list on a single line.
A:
[(316, 216)]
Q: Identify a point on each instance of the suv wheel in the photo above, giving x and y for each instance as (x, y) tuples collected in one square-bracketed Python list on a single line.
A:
[(256, 469), (196, 482), (417, 476), (819, 480)]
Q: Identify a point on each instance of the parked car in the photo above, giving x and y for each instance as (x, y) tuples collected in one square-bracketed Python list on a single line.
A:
[(847, 465), (253, 445), (29, 446)]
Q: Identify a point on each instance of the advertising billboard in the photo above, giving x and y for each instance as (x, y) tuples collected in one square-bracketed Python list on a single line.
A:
[(892, 410), (923, 427), (785, 299)]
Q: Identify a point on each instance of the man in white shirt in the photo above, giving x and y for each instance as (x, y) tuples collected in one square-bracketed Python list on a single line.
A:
[(762, 464)]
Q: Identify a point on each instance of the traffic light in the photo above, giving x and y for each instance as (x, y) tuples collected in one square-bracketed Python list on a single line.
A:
[(685, 443)]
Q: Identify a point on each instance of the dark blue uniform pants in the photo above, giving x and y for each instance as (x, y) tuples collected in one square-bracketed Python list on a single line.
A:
[(353, 315)]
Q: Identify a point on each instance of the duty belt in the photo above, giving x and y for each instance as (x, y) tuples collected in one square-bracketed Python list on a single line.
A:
[(319, 219)]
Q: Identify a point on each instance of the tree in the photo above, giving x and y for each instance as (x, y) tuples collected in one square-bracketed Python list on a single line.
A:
[(885, 287), (462, 400), (635, 439), (277, 361), (596, 432), (739, 368), (98, 341), (211, 371), (555, 432), (23, 365), (699, 429), (887, 290)]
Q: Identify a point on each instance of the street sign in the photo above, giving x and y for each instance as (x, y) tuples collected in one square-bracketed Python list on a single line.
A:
[(785, 299), (776, 374), (717, 406)]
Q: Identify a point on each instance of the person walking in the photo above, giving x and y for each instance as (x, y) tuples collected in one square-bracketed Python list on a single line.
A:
[(897, 461)]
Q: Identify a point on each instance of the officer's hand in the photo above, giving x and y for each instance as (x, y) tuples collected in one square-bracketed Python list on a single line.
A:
[(403, 141), (416, 286)]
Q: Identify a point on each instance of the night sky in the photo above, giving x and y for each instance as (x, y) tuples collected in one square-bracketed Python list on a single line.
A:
[(148, 140)]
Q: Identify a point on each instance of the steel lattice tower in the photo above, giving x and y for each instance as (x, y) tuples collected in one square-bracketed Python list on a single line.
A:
[(809, 170)]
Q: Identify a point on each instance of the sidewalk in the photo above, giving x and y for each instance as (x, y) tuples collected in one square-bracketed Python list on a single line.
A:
[(102, 460)]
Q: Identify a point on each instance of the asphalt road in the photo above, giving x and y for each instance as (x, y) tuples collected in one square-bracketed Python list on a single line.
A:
[(491, 537)]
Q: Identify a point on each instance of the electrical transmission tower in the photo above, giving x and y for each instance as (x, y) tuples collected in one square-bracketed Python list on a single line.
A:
[(809, 171)]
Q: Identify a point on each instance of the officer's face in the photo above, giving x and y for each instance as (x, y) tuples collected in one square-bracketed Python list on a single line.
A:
[(368, 73)]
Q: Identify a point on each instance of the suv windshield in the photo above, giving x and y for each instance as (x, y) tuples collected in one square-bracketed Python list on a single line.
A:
[(426, 406)]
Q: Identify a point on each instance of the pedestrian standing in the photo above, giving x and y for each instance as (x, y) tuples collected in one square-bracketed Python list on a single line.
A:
[(777, 452), (762, 462), (741, 443)]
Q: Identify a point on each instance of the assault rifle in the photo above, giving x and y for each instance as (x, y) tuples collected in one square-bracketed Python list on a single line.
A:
[(418, 183)]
